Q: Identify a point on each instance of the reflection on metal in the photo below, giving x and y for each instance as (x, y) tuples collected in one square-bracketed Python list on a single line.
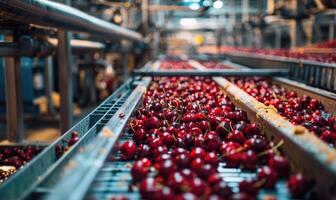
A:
[(49, 83), (65, 80), (81, 45), (14, 111), (56, 15)]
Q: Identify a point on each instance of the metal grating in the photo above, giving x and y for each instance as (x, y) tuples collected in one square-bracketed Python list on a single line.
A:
[(317, 74)]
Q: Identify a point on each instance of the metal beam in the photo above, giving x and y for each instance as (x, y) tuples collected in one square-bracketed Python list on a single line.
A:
[(57, 15), (210, 73), (14, 111), (65, 80)]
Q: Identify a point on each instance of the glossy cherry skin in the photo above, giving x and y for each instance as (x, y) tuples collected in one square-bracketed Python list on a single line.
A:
[(128, 150)]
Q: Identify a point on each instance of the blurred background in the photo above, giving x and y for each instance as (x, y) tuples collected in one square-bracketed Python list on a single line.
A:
[(294, 28)]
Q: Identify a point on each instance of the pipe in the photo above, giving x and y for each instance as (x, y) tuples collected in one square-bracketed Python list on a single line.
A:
[(26, 46), (56, 15), (79, 46)]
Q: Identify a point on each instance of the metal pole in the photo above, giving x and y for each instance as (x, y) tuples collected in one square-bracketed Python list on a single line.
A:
[(61, 16), (65, 80), (14, 111), (49, 83)]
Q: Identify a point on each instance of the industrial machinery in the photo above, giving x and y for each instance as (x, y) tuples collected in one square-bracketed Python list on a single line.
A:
[(193, 121)]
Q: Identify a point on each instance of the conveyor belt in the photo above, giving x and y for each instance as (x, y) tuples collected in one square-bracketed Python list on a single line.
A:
[(317, 74), (90, 172)]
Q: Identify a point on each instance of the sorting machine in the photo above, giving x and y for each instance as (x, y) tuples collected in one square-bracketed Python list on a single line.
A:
[(92, 168)]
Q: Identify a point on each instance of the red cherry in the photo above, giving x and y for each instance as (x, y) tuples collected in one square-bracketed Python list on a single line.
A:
[(223, 190), (139, 135), (140, 169), (299, 185), (269, 176), (128, 150), (212, 159), (197, 152), (236, 136), (249, 160), (152, 122), (212, 141), (280, 164), (249, 186)]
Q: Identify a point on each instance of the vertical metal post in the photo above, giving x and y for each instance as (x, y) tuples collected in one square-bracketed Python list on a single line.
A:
[(245, 9), (65, 80), (331, 30), (144, 13), (49, 83), (14, 110)]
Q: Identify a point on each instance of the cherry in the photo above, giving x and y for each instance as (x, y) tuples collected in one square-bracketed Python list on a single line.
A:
[(166, 167), (213, 179), (152, 122), (212, 159), (280, 164), (199, 187), (212, 141), (155, 143), (251, 129), (182, 160), (197, 164), (249, 160), (143, 151), (140, 169), (128, 150), (328, 136), (149, 188), (236, 136), (139, 135), (197, 152), (257, 144), (74, 138), (159, 150), (233, 159), (223, 128), (168, 138), (299, 185), (199, 141), (223, 190), (249, 186), (176, 181), (269, 176)]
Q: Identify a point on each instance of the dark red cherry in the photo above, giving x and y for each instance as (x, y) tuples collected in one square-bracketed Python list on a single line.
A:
[(128, 150), (269, 176)]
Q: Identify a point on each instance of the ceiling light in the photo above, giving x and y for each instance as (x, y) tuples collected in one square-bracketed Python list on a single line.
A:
[(218, 4), (188, 22), (194, 6), (206, 3)]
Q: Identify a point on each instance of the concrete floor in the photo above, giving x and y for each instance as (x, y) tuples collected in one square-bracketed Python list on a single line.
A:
[(41, 129)]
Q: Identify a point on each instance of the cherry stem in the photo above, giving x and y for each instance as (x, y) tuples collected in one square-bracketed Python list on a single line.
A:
[(280, 143)]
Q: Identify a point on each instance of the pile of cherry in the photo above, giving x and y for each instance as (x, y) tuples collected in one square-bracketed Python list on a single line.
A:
[(185, 129), (300, 110), (171, 65), (320, 57), (214, 65), (15, 157)]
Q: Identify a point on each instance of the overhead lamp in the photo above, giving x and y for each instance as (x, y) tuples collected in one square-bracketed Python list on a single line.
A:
[(218, 4), (206, 3), (194, 6)]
